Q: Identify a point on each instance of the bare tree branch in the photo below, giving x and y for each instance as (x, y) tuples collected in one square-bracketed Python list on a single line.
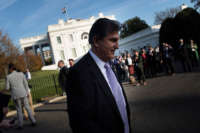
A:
[(196, 3), (168, 13)]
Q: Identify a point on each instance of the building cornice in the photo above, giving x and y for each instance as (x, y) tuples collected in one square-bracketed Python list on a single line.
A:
[(33, 39), (75, 24), (69, 28)]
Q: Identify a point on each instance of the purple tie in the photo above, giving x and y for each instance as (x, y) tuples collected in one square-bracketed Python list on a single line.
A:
[(118, 95)]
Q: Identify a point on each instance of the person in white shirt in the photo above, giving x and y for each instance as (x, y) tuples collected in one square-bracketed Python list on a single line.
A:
[(30, 99)]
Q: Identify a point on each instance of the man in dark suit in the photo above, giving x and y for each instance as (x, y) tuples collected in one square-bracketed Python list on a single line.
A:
[(184, 56), (71, 62), (96, 100), (62, 77)]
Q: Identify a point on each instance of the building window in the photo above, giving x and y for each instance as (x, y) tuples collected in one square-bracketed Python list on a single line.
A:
[(74, 54), (71, 38), (62, 55), (84, 36), (59, 40)]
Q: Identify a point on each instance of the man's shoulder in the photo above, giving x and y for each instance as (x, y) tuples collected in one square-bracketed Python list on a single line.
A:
[(8, 76), (82, 63), (19, 74), (12, 74)]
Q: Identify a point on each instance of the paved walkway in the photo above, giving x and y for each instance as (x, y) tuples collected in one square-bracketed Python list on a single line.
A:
[(168, 104), (51, 118)]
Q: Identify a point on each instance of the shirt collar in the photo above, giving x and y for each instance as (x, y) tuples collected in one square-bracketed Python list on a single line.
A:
[(98, 61)]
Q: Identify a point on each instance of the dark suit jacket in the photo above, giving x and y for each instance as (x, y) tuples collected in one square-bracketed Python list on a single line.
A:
[(62, 77), (91, 105)]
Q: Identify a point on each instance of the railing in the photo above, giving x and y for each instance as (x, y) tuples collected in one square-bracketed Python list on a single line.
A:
[(42, 87), (45, 86)]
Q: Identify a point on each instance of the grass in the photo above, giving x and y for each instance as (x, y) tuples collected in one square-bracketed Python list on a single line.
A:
[(44, 84), (2, 83), (43, 73)]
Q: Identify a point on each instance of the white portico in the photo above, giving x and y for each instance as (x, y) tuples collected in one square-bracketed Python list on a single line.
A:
[(38, 45)]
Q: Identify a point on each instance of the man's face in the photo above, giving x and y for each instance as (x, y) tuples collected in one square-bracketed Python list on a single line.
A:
[(136, 53), (106, 47), (181, 40), (71, 63), (60, 65)]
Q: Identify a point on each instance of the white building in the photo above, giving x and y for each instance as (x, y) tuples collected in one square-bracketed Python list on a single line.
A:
[(148, 36), (65, 40)]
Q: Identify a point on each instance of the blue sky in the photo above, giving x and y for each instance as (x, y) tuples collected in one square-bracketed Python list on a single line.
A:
[(24, 18)]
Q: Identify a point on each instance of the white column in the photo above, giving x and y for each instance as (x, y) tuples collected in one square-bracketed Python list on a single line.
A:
[(52, 56), (41, 53), (33, 48)]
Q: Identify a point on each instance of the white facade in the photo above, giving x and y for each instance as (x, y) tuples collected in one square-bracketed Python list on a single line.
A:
[(67, 39), (148, 36)]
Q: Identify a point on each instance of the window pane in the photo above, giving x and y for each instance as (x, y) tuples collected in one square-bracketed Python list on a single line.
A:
[(59, 40), (62, 55)]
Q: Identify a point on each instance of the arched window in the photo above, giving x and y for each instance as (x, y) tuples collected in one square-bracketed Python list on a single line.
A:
[(84, 36)]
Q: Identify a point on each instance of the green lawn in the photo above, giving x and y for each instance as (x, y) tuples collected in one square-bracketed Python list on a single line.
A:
[(2, 83), (43, 73), (44, 84)]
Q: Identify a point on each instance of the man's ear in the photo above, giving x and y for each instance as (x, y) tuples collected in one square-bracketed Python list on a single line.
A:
[(95, 40)]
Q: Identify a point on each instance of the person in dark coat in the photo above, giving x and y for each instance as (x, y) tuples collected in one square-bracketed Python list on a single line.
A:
[(139, 65), (96, 100), (184, 56), (150, 62), (62, 77), (167, 58), (157, 55)]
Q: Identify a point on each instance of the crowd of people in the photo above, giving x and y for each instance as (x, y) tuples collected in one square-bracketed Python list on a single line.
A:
[(149, 62)]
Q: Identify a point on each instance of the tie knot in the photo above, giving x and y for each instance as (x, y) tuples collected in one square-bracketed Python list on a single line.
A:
[(107, 66)]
